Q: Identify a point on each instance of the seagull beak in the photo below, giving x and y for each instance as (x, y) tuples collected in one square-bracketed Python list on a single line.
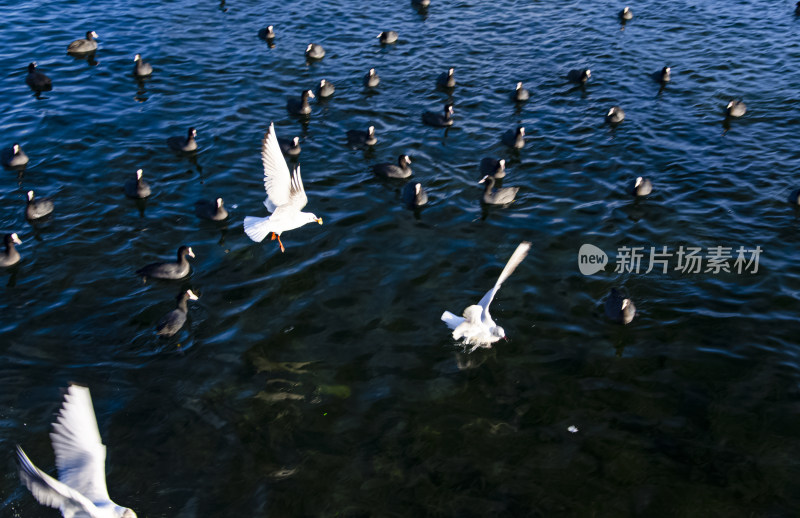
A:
[(319, 220), (505, 338)]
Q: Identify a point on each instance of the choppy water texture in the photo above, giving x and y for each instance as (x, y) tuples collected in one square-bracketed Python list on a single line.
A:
[(320, 382)]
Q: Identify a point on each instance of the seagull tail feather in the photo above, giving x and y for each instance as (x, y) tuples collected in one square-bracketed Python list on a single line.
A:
[(256, 228)]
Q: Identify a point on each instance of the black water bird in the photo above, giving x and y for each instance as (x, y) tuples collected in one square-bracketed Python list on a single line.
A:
[(184, 145), (618, 308), (360, 138), (169, 270), (85, 45), (520, 94), (37, 81), (446, 79), (173, 321), (14, 157), (211, 210), (141, 68), (502, 196), (441, 120), (300, 106), (641, 186), (314, 51), (514, 138), (401, 170), (37, 208), (10, 256), (579, 75), (414, 195)]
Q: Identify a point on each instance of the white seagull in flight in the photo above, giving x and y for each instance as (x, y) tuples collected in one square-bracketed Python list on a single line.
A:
[(81, 490), (286, 196), (477, 327)]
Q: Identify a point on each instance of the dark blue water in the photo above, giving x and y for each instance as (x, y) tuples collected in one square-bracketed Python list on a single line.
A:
[(320, 381)]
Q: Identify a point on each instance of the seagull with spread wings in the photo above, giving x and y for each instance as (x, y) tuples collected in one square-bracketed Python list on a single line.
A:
[(80, 491), (286, 195), (476, 327)]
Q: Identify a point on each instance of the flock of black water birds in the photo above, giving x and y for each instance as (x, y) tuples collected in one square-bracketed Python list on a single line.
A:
[(291, 198), (492, 169)]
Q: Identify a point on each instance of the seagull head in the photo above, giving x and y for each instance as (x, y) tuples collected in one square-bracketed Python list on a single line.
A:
[(312, 218)]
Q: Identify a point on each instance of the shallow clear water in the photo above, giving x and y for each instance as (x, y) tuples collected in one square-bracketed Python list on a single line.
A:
[(320, 381)]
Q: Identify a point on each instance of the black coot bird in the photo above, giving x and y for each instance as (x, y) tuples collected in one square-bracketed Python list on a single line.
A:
[(184, 145), (619, 309), (735, 109), (663, 76), (314, 51), (371, 79), (641, 186), (401, 170), (387, 37), (446, 79), (615, 115), (38, 208), (137, 187), (325, 88), (211, 210), (300, 106), (502, 196), (626, 14), (290, 146), (175, 319), (14, 156), (360, 138), (579, 75), (84, 46), (520, 94), (439, 120), (268, 33), (176, 270), (10, 256), (414, 195), (514, 138), (493, 167), (140, 68), (37, 81)]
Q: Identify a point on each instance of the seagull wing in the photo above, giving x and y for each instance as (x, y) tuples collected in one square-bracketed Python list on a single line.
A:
[(50, 492), (80, 454), (297, 194), (277, 181), (516, 258)]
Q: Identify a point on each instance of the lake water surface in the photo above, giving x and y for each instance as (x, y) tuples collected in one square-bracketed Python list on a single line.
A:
[(320, 381)]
